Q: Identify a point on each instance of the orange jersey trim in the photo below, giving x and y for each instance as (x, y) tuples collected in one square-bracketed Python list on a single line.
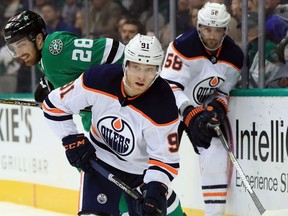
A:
[(215, 194), (167, 167), (53, 110), (203, 57)]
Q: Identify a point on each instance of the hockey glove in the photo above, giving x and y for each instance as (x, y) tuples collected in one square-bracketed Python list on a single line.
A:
[(154, 194), (43, 89), (220, 108), (197, 120), (79, 151)]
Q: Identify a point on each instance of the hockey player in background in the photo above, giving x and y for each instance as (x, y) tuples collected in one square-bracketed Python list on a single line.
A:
[(62, 57), (134, 129), (202, 66)]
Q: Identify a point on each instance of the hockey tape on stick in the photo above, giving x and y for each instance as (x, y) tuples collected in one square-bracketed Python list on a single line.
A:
[(131, 192), (20, 102), (258, 204), (28, 103)]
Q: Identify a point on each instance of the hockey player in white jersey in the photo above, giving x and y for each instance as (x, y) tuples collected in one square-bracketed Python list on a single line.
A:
[(134, 129), (202, 66)]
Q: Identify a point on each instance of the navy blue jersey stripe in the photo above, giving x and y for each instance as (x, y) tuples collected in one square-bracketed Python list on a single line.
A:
[(205, 187), (58, 118), (215, 201)]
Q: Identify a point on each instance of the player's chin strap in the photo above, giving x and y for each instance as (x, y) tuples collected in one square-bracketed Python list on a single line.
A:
[(258, 204)]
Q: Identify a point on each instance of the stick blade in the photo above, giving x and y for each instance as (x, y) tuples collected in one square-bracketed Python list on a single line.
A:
[(279, 212)]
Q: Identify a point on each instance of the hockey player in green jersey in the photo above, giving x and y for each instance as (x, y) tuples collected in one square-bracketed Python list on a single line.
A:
[(63, 57)]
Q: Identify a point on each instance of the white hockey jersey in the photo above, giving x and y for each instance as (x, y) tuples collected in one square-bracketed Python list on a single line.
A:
[(130, 134), (194, 71)]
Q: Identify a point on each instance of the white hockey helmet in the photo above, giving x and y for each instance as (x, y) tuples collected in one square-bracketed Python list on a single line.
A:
[(214, 15), (144, 49)]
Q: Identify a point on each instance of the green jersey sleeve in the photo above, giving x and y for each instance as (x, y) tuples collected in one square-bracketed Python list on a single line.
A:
[(66, 56)]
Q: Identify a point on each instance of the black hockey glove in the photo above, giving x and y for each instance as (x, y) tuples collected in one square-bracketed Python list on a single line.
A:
[(79, 151), (43, 89), (197, 120), (154, 194), (220, 108)]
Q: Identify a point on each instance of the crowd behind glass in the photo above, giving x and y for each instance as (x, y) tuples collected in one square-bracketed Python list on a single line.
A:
[(105, 18)]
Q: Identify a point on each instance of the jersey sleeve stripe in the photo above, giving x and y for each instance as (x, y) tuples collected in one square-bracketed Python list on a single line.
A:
[(113, 51), (215, 194), (175, 85), (52, 110), (165, 166), (58, 118)]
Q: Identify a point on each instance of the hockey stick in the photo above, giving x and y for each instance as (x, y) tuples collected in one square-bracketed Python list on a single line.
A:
[(131, 192), (20, 102), (258, 204), (28, 103)]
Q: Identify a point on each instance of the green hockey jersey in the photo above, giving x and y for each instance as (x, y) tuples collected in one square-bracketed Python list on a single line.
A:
[(65, 55)]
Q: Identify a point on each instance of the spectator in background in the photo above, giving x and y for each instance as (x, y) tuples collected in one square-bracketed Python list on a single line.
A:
[(69, 10), (272, 60), (12, 8), (104, 15), (182, 17), (134, 7), (129, 29), (270, 6), (147, 19), (183, 22), (79, 23), (196, 3), (193, 16), (282, 10), (235, 22), (8, 70), (54, 22), (253, 5), (276, 28), (120, 23), (37, 5)]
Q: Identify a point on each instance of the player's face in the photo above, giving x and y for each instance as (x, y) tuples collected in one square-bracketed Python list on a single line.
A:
[(139, 78), (212, 36), (128, 31), (25, 50)]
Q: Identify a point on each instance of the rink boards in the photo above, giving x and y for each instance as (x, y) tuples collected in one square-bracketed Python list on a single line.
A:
[(34, 170)]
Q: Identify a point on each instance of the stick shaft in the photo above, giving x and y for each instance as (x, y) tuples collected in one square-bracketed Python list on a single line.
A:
[(133, 193), (105, 173), (20, 102), (29, 103), (252, 193)]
